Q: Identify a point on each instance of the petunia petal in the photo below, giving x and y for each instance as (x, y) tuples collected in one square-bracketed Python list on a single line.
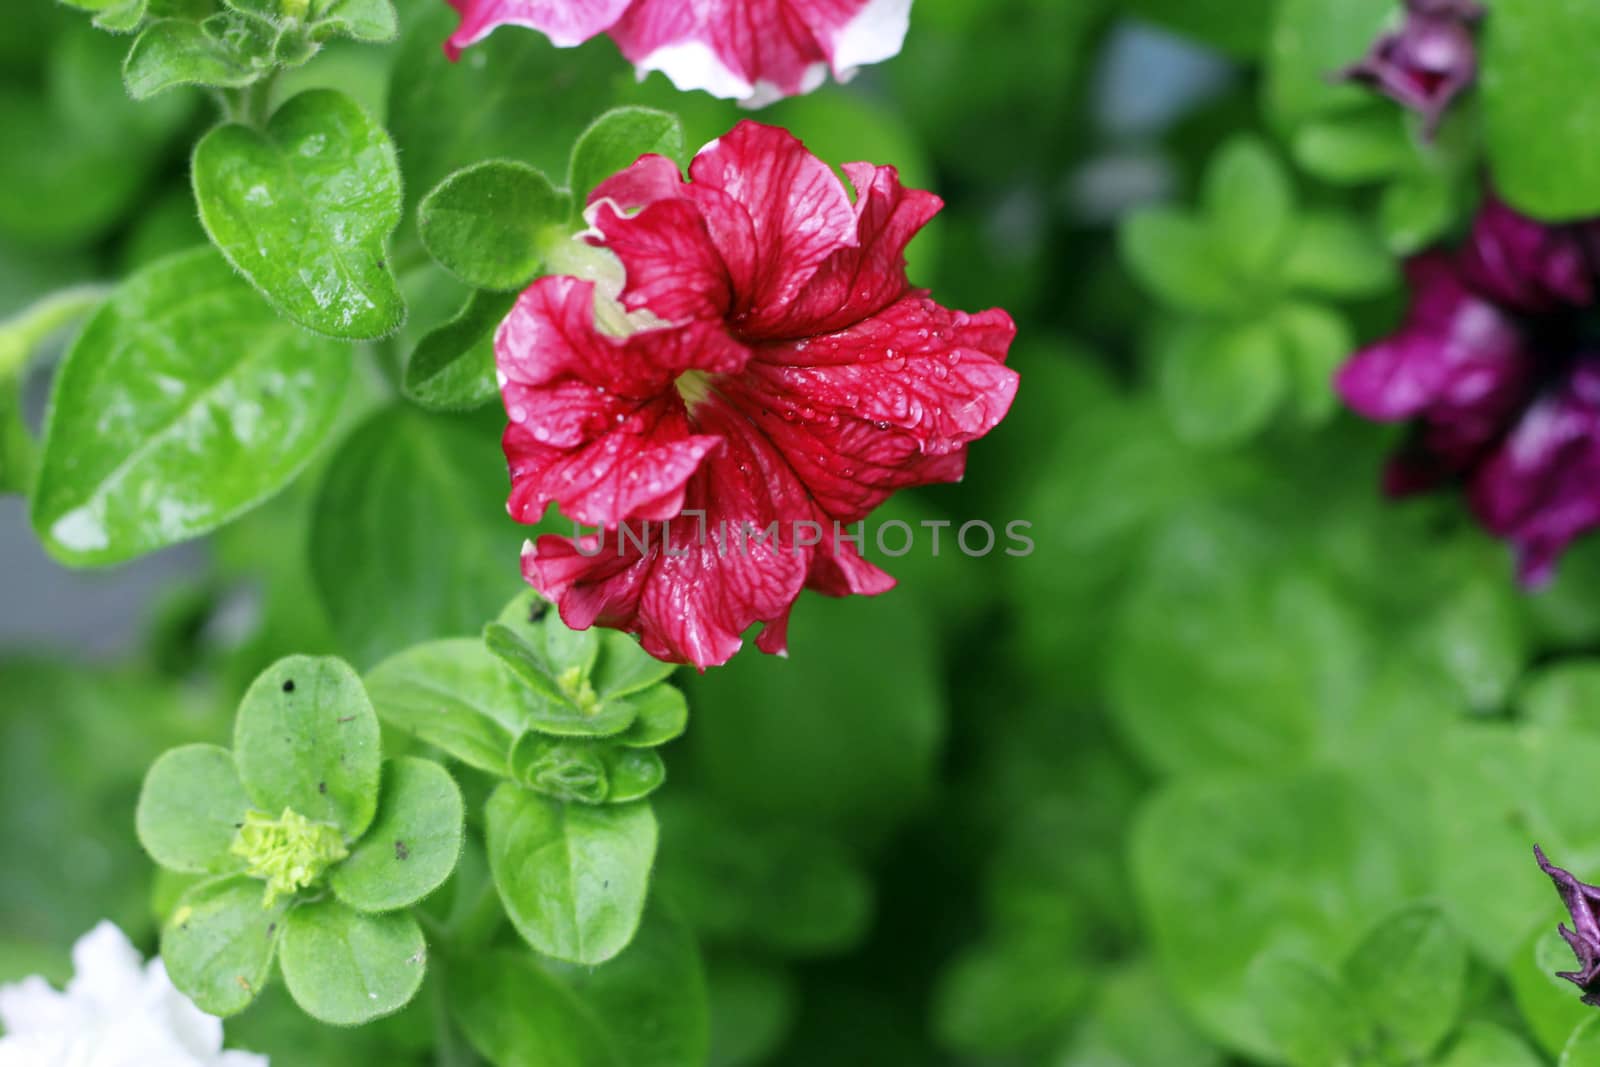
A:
[(565, 22), (1458, 360), (692, 593), (757, 51), (1525, 265), (1541, 488)]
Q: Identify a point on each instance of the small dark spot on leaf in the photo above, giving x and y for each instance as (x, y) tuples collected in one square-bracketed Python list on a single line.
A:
[(272, 928), (348, 718), (322, 787), (606, 884), (382, 265), (537, 609), (243, 982), (401, 852), (288, 685)]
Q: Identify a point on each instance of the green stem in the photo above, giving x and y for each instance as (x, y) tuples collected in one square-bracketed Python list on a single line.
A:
[(21, 334), (250, 106)]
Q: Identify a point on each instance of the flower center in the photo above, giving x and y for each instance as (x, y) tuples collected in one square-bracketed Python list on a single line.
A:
[(289, 852), (694, 386), (576, 688)]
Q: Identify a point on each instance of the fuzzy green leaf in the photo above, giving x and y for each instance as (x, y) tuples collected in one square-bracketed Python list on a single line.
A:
[(662, 715), (454, 695), (453, 367), (174, 52), (303, 208), (307, 738), (1409, 975), (616, 140), (190, 809), (413, 845), (347, 968), (572, 877), (218, 944), (485, 224)]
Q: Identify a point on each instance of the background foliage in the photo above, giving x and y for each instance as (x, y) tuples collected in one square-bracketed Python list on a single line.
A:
[(1241, 765)]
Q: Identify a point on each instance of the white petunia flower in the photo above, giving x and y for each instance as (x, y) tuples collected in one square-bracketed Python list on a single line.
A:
[(117, 1011)]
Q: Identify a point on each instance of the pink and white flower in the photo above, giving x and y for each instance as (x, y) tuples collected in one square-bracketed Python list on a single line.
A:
[(761, 371), (755, 51)]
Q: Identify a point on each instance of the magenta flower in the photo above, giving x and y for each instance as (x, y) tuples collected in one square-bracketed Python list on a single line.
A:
[(1426, 63), (1498, 365), (762, 376), (1584, 938), (756, 51)]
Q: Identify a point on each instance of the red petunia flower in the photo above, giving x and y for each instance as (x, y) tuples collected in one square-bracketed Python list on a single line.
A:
[(756, 51), (761, 372)]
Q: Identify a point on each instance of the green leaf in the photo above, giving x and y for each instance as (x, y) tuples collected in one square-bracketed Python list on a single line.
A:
[(1417, 211), (1266, 659), (453, 367), (1583, 1050), (413, 845), (306, 738), (518, 1016), (455, 696), (1317, 340), (1310, 39), (1249, 204), (218, 944), (303, 208), (1409, 975), (652, 996), (124, 17), (1309, 1015), (1285, 867), (1222, 383), (615, 142), (1492, 791), (622, 667), (539, 668), (662, 716), (420, 496), (1005, 996), (585, 771), (1176, 258), (183, 403), (446, 116), (1484, 1044), (373, 21), (1550, 1007), (554, 645), (1541, 115), (346, 968), (190, 809), (174, 52), (752, 1009), (1564, 695), (487, 224), (1336, 255), (572, 877), (566, 770), (1366, 146)]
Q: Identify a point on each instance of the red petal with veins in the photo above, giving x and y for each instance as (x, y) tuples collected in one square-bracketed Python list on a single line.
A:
[(820, 383)]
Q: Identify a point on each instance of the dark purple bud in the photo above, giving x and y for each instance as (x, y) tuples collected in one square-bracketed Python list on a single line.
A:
[(1580, 900), (1426, 63)]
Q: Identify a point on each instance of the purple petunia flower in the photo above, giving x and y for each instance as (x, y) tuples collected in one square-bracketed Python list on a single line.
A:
[(1581, 900), (1428, 61), (1498, 368)]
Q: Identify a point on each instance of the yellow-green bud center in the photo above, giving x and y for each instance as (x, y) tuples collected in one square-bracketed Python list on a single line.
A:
[(576, 688), (294, 9), (289, 852)]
